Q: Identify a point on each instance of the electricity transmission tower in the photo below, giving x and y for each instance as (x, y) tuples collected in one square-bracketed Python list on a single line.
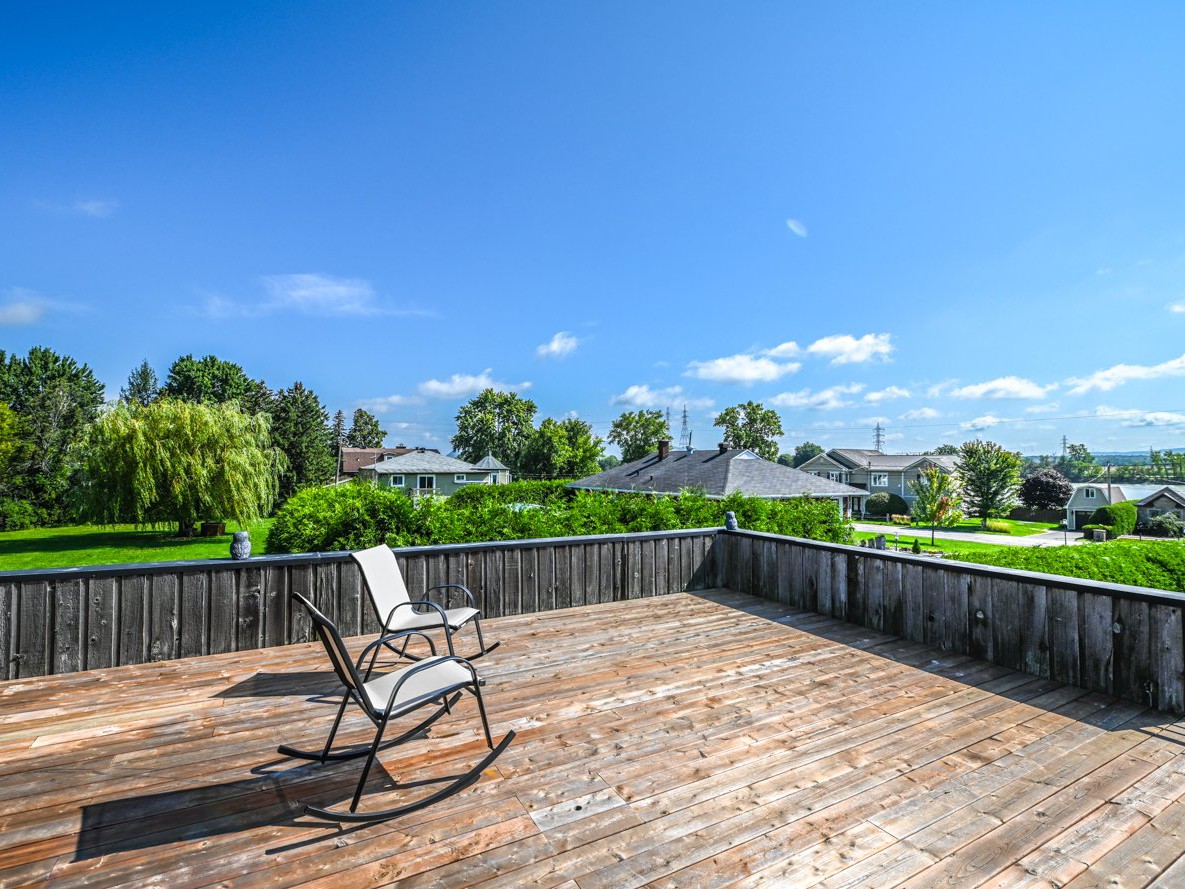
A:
[(879, 437), (685, 432)]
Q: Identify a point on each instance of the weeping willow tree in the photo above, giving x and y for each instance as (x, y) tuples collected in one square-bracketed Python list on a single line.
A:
[(177, 461)]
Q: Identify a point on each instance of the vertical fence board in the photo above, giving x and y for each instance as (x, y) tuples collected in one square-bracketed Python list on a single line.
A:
[(349, 597), (9, 620), (839, 585), (1033, 626), (101, 642), (874, 593), (69, 619), (194, 604), (1168, 658), (249, 632), (1096, 645), (546, 578), (1062, 622), (893, 597), (33, 643), (979, 615), (163, 617), (492, 571), (531, 598), (591, 573), (661, 554), (933, 606), (1006, 615), (133, 623), (1132, 665), (564, 580), (857, 582), (913, 606)]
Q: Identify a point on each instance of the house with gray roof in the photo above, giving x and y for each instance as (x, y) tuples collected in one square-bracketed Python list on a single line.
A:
[(873, 472), (1151, 500), (426, 471), (501, 472), (718, 473)]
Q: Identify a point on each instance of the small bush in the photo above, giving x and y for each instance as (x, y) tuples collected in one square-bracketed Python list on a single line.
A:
[(17, 515), (1087, 529), (900, 520), (882, 503), (1119, 517), (997, 526), (540, 492), (1167, 525), (916, 549)]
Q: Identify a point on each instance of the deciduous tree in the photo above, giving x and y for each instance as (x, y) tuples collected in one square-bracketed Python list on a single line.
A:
[(989, 476), (751, 425), (1046, 489), (497, 423), (209, 380), (177, 461), (805, 451), (365, 431), (562, 449), (937, 500), (947, 450), (638, 433)]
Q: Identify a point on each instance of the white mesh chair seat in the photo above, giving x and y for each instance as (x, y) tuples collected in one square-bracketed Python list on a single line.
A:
[(406, 619), (432, 678)]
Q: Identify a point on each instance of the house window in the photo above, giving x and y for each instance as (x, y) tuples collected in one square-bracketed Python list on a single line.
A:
[(397, 481), (878, 480), (1090, 493), (459, 477), (833, 476), (426, 482)]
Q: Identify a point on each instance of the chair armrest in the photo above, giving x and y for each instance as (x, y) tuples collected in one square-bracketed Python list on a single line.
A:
[(411, 605), (456, 586)]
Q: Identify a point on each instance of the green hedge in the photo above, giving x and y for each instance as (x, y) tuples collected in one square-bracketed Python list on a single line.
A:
[(1158, 564), (360, 515), (1119, 517), (884, 503), (539, 492)]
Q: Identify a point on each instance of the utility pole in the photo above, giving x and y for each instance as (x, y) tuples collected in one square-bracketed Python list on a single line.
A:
[(1109, 498)]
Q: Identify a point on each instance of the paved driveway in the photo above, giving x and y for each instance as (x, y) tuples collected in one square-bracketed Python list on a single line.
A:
[(1046, 538)]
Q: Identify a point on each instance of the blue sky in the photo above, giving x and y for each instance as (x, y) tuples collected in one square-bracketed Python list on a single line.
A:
[(960, 219)]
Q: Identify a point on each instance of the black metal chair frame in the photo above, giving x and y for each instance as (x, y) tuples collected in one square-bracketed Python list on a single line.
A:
[(444, 697)]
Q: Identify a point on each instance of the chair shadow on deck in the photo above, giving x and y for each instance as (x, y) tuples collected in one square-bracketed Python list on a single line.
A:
[(1107, 713), (308, 684), (268, 799)]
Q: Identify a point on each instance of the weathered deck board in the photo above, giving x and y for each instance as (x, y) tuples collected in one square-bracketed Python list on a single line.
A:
[(701, 740)]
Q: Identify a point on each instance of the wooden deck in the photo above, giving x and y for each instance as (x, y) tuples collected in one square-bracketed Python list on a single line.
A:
[(706, 740)]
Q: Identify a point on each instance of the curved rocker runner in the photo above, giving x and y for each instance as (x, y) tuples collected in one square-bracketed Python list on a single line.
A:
[(437, 681)]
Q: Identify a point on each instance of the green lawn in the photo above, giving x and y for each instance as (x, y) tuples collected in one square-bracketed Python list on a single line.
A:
[(905, 540), (75, 545), (1016, 528)]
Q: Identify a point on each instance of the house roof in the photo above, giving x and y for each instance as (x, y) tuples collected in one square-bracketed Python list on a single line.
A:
[(489, 461), (857, 458), (1176, 493), (424, 462), (1121, 491), (717, 473), (353, 459)]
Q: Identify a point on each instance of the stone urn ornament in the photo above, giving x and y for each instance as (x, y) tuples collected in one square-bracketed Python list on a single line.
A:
[(240, 545)]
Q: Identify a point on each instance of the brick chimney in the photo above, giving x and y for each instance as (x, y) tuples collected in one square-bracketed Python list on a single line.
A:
[(664, 448), (723, 446)]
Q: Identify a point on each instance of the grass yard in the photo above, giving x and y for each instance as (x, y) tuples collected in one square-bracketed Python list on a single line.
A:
[(1159, 564), (905, 540), (76, 545), (1015, 528)]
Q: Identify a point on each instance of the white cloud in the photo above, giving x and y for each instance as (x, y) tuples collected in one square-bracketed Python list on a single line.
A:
[(823, 400), (847, 349), (1113, 377), (94, 208), (797, 227), (644, 396), (22, 307), (987, 421), (873, 421), (461, 385), (388, 402), (788, 349), (887, 394), (560, 345), (322, 294), (1050, 407), (740, 369), (1138, 418), (921, 413), (1177, 308), (939, 389), (1004, 387)]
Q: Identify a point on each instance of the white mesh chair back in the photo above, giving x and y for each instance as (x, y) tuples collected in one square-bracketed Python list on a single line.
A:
[(334, 647), (383, 578)]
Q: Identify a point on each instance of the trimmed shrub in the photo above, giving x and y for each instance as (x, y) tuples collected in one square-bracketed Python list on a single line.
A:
[(17, 515), (540, 492), (1166, 525), (882, 503), (1087, 529), (997, 527), (900, 520), (1120, 518), (916, 549)]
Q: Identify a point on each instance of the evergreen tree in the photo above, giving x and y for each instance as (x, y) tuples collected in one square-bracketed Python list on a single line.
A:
[(142, 386), (337, 431), (365, 431), (300, 429), (209, 380), (55, 398)]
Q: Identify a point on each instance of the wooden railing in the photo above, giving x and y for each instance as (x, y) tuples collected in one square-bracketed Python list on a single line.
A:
[(1121, 640), (62, 620), (1124, 641)]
